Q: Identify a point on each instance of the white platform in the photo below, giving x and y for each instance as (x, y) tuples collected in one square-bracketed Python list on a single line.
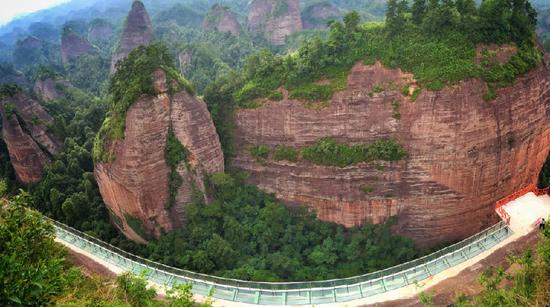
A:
[(526, 210)]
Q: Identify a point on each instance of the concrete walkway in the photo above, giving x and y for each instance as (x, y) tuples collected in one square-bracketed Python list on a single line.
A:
[(524, 213)]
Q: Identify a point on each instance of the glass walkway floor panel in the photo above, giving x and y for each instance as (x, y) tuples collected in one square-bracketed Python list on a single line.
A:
[(344, 294), (272, 298), (456, 258), (298, 298), (437, 266), (417, 274), (395, 281), (372, 288), (224, 293), (322, 296), (246, 296)]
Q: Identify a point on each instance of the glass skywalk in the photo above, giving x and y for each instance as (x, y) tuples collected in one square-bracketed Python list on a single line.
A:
[(291, 293)]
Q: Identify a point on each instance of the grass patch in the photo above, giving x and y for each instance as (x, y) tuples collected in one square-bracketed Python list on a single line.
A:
[(395, 109), (490, 95), (367, 189), (259, 152), (415, 94), (328, 152), (286, 153)]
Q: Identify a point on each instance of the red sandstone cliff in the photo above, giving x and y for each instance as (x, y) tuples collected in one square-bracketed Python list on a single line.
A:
[(222, 19), (26, 133), (318, 15), (274, 19), (138, 31), (136, 183), (100, 31), (73, 46), (47, 89), (464, 153)]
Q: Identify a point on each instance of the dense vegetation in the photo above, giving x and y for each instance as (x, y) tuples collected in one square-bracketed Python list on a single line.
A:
[(281, 243), (328, 152), (34, 271), (435, 41), (174, 154), (246, 234)]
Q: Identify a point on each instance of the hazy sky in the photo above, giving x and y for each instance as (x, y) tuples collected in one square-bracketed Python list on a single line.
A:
[(12, 8)]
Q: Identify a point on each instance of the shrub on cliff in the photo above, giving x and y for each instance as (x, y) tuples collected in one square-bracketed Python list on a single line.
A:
[(134, 78)]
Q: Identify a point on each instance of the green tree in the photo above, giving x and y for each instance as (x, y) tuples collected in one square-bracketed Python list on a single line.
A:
[(418, 11), (32, 265), (133, 290)]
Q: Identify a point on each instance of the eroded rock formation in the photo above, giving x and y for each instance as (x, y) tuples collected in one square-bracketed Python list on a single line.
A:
[(274, 19), (100, 31), (138, 31), (25, 131), (222, 19), (463, 153), (317, 16), (47, 89), (73, 46), (135, 186)]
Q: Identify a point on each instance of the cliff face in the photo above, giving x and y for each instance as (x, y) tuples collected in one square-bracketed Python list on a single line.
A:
[(135, 185), (29, 141), (100, 32), (138, 31), (274, 19), (318, 15), (46, 89), (73, 46), (463, 153), (221, 19)]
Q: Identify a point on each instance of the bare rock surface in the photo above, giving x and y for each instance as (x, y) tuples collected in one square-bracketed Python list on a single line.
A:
[(138, 31), (463, 153), (30, 142), (73, 46), (136, 184), (221, 19), (274, 19)]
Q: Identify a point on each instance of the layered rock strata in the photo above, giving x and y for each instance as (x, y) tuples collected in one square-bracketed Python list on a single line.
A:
[(221, 19), (138, 31), (274, 19), (73, 46), (317, 16), (135, 186), (25, 129), (464, 153)]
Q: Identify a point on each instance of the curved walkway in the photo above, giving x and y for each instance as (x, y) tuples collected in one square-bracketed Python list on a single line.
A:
[(393, 282)]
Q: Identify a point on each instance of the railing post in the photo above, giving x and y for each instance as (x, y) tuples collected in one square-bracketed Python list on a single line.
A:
[(428, 269), (383, 284)]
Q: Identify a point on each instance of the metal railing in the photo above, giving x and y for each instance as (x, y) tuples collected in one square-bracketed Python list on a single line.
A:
[(291, 293)]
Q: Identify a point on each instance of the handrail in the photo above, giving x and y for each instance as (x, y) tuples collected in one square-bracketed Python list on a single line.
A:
[(530, 188), (292, 286)]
